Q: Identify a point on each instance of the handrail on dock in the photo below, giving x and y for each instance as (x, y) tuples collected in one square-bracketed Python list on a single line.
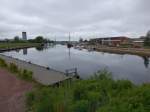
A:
[(72, 72)]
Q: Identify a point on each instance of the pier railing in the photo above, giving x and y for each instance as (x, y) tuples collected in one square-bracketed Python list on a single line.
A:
[(72, 72)]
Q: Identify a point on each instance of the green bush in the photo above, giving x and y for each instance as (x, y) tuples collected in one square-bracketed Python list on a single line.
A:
[(98, 94), (2, 63), (80, 106), (29, 99), (26, 75), (102, 75), (13, 68), (79, 92), (23, 74)]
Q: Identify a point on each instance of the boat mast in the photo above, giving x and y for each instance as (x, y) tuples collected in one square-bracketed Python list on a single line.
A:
[(69, 37), (69, 43)]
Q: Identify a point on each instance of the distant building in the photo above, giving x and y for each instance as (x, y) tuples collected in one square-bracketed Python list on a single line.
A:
[(24, 35), (138, 42), (111, 41), (148, 34), (142, 37), (2, 41)]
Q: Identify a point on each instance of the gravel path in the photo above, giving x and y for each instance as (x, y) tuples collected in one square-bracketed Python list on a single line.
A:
[(12, 92)]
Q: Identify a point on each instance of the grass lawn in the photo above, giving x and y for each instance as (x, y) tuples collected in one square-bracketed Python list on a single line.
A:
[(16, 45)]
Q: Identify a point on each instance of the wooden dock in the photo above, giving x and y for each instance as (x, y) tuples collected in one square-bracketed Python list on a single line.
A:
[(43, 75)]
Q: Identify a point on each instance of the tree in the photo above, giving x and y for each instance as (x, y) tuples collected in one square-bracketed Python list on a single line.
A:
[(16, 38), (147, 39), (85, 40), (81, 40), (47, 40), (148, 34), (39, 39), (7, 40)]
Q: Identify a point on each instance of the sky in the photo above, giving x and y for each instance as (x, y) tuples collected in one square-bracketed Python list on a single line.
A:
[(82, 18)]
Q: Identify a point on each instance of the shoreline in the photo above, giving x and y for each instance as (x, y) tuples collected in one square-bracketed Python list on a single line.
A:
[(10, 48), (132, 51), (40, 73)]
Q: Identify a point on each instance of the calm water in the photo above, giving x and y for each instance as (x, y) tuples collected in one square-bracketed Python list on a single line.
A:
[(134, 68)]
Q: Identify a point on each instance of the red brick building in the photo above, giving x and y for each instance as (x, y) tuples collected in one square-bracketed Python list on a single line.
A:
[(111, 41)]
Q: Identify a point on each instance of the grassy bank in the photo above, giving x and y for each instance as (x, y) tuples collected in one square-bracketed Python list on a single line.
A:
[(125, 51), (98, 94), (20, 73), (119, 50), (17, 45)]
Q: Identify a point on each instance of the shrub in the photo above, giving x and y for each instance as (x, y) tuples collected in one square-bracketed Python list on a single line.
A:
[(94, 99), (2, 63), (13, 68), (102, 75), (80, 106), (79, 92), (101, 94), (27, 75), (29, 98), (23, 74)]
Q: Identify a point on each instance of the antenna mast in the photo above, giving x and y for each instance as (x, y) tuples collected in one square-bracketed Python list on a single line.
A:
[(69, 37)]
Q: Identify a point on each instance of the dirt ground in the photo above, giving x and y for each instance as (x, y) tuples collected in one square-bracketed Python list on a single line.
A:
[(12, 92)]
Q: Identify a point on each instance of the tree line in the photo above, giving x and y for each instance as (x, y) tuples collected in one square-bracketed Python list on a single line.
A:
[(38, 39), (147, 39)]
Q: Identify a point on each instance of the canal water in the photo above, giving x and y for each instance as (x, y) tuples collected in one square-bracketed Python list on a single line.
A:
[(59, 57)]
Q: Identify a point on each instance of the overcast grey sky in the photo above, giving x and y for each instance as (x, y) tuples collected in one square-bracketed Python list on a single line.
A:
[(85, 18)]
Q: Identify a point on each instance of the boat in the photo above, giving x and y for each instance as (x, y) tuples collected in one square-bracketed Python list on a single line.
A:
[(69, 45), (76, 47)]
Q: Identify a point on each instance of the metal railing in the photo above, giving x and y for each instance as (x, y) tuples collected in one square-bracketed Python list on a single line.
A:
[(72, 72)]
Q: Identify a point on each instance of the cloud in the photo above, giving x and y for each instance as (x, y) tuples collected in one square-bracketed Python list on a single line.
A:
[(83, 18)]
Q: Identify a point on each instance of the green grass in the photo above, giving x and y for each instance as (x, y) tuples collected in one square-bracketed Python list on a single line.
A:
[(3, 63), (146, 47), (125, 46), (13, 68), (16, 45), (26, 75), (98, 94)]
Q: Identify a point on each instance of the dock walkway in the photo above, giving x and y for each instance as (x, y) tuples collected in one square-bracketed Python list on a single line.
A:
[(40, 73)]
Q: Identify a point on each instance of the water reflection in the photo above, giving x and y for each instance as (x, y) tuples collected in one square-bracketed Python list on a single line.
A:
[(69, 53), (17, 50), (45, 46), (59, 57), (25, 51), (40, 48), (146, 61)]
